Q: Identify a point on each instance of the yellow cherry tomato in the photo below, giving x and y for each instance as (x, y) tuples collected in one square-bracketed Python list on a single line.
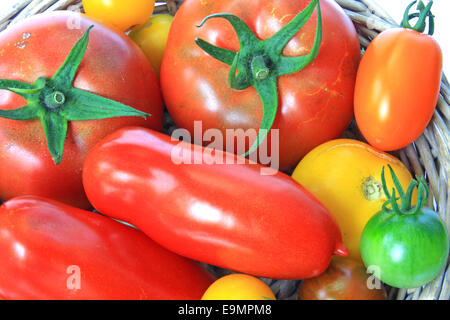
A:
[(238, 287), (121, 15), (152, 38), (345, 175)]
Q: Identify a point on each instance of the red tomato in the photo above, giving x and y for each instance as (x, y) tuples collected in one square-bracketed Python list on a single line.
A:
[(112, 67), (314, 104), (51, 250), (345, 279), (215, 210), (397, 87)]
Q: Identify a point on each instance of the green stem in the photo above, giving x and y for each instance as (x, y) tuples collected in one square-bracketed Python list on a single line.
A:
[(422, 15), (259, 68)]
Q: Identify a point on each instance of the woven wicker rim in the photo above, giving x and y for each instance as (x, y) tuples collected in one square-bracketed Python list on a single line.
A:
[(427, 157)]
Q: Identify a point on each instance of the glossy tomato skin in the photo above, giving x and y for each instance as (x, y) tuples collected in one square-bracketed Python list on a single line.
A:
[(113, 67), (397, 87), (344, 279), (409, 249), (225, 214), (314, 105), (119, 14), (238, 287), (44, 242), (152, 38), (344, 174)]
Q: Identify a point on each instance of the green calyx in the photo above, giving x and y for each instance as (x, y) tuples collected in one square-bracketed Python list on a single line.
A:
[(422, 14), (259, 63), (55, 101), (405, 206)]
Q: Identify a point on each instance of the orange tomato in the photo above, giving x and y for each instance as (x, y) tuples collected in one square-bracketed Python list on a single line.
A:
[(120, 15), (397, 87), (238, 286)]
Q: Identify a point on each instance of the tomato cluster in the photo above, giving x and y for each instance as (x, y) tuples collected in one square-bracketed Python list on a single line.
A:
[(267, 187)]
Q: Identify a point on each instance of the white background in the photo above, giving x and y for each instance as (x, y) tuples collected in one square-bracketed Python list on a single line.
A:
[(441, 10)]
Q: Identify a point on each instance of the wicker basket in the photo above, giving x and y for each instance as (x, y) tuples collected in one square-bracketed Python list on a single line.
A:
[(428, 156)]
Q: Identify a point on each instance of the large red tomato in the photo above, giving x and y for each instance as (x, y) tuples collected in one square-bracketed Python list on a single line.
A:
[(112, 67), (314, 104)]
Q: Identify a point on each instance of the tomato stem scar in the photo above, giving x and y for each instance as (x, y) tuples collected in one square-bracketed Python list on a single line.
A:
[(371, 188)]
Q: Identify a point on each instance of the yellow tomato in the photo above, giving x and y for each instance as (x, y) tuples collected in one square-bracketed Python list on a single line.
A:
[(152, 38), (345, 175), (120, 14), (238, 287)]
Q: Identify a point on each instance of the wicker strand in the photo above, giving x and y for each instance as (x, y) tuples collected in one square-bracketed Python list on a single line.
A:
[(33, 8), (445, 290), (442, 106), (63, 4), (352, 5), (370, 21), (379, 11), (445, 91)]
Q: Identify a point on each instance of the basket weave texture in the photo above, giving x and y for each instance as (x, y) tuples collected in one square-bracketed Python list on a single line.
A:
[(427, 157)]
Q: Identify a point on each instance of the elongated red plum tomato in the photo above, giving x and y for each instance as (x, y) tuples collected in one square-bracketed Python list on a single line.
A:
[(205, 205), (397, 86), (303, 80), (51, 250), (103, 64)]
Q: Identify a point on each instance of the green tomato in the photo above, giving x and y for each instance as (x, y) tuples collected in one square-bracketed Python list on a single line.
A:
[(407, 246)]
